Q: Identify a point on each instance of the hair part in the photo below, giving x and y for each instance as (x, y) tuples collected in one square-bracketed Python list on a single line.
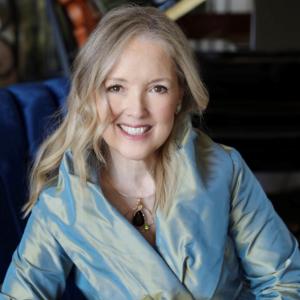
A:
[(81, 131)]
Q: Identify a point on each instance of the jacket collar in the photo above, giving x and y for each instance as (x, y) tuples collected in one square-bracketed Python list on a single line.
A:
[(189, 241)]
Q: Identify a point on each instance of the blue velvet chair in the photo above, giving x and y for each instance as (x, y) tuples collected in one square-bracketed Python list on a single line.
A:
[(26, 118)]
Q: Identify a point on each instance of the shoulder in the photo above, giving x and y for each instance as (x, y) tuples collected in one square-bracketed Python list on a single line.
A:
[(205, 142), (57, 202), (68, 195), (213, 156), (225, 164), (220, 169), (53, 206)]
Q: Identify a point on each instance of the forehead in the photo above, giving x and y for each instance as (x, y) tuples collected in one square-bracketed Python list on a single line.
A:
[(144, 55)]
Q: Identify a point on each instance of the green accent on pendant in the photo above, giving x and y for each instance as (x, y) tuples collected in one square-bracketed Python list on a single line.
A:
[(146, 227)]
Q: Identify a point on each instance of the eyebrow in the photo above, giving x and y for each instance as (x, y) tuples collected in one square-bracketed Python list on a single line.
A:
[(152, 81)]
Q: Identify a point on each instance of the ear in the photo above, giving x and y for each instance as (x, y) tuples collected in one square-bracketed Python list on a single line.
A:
[(181, 94), (181, 89), (180, 99), (178, 108)]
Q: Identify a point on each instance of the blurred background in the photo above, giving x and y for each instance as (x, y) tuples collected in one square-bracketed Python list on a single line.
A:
[(249, 58)]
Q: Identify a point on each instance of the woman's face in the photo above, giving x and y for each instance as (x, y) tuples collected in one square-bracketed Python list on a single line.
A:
[(143, 92)]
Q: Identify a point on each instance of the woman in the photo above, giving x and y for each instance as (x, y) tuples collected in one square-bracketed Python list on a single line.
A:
[(139, 203)]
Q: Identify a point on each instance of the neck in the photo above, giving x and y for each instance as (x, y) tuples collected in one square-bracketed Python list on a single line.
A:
[(131, 177)]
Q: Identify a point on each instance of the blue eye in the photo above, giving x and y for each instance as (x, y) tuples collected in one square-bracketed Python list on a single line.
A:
[(114, 88), (160, 89)]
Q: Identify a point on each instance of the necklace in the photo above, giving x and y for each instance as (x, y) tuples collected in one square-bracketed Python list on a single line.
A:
[(140, 216)]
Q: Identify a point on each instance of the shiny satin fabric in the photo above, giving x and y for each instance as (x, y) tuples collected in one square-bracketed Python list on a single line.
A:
[(221, 239)]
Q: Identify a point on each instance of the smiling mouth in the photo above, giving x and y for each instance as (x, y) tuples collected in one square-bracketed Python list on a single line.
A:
[(135, 131)]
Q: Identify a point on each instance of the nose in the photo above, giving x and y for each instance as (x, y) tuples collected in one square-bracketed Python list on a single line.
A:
[(136, 105)]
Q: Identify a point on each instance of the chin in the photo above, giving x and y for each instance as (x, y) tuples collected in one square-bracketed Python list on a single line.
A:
[(137, 154)]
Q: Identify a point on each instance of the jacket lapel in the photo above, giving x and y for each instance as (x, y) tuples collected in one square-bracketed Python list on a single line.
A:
[(193, 234), (190, 238), (114, 244)]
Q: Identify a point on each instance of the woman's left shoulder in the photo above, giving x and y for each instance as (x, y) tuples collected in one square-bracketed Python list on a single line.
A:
[(214, 153)]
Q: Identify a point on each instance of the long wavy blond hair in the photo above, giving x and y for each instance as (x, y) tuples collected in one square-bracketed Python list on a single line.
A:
[(81, 130)]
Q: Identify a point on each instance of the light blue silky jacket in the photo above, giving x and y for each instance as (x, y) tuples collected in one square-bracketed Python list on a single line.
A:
[(220, 240)]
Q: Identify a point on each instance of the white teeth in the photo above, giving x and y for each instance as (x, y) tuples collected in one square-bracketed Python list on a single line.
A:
[(134, 130)]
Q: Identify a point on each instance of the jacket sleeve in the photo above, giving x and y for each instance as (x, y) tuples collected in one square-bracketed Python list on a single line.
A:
[(39, 265), (268, 252)]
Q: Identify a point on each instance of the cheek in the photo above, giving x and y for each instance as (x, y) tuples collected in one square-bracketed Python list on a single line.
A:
[(165, 113), (105, 111)]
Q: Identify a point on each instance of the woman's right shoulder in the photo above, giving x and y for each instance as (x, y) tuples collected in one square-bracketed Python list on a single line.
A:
[(53, 205), (57, 199)]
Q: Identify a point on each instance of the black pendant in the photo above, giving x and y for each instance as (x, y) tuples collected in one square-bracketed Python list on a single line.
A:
[(138, 219)]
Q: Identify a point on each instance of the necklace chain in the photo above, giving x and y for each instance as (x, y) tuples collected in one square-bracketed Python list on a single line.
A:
[(140, 213)]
